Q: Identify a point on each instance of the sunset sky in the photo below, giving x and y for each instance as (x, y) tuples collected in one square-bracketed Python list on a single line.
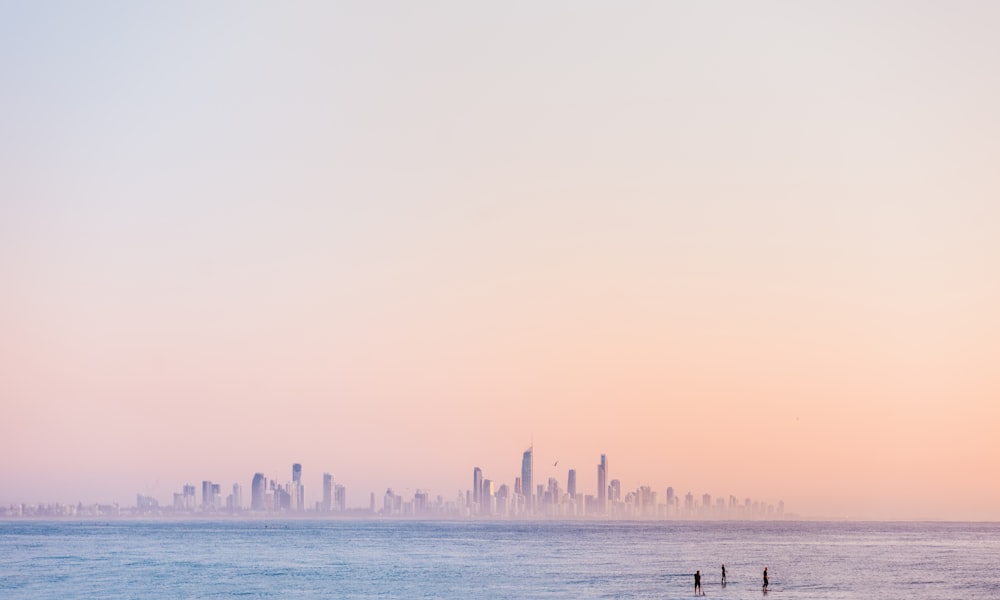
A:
[(740, 248)]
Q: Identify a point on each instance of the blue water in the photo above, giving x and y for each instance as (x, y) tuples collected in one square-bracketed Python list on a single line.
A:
[(430, 559)]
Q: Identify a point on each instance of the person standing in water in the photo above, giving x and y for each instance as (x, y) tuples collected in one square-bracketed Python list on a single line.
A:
[(723, 575), (697, 584), (764, 589)]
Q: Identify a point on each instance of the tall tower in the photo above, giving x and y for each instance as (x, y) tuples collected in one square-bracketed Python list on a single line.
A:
[(340, 497), (527, 467), (571, 483), (207, 496), (327, 492), (602, 484), (477, 487), (257, 490), (486, 498), (297, 491)]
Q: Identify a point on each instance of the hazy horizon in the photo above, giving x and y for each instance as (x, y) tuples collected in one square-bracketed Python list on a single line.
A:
[(359, 499), (747, 249)]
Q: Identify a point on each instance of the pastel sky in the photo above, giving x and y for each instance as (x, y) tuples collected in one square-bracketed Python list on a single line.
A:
[(740, 248)]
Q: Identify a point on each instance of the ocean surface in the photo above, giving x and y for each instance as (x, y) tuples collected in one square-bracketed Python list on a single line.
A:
[(470, 559)]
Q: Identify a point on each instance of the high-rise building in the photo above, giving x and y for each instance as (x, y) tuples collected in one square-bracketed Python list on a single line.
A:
[(602, 484), (645, 501), (189, 497), (527, 467), (282, 499), (207, 495), (477, 487), (340, 497), (486, 498), (420, 502), (571, 483), (327, 492), (503, 499), (552, 492), (258, 489), (390, 502), (237, 497), (297, 491)]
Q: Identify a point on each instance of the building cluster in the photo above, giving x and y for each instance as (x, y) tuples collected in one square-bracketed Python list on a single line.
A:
[(526, 498), (266, 496), (549, 500), (58, 510)]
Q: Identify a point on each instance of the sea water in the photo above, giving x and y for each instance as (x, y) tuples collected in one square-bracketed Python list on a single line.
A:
[(500, 559)]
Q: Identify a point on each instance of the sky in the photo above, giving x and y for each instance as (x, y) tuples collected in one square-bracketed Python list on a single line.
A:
[(739, 248)]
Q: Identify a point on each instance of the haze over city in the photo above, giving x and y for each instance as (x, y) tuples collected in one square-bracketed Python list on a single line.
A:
[(747, 249)]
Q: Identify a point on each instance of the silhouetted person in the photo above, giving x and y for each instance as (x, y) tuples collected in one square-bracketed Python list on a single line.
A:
[(765, 580), (723, 575), (697, 584)]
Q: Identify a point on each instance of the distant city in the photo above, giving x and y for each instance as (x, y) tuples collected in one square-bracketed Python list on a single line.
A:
[(487, 499)]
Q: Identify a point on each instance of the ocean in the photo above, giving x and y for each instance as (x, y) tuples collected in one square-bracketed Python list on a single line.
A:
[(497, 559)]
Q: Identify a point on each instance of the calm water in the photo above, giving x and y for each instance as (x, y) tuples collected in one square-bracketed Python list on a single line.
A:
[(397, 559)]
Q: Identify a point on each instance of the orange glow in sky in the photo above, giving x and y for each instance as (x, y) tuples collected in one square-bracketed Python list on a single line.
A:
[(739, 249)]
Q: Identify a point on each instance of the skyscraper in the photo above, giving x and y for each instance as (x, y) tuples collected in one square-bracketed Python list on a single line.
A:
[(503, 499), (552, 491), (282, 499), (258, 488), (602, 484), (297, 492), (477, 487), (340, 497), (486, 498), (207, 495), (327, 492), (571, 483), (527, 467)]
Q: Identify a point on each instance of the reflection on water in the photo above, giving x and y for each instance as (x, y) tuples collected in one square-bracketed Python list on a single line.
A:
[(428, 559)]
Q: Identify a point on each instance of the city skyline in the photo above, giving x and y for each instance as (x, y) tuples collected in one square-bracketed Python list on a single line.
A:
[(486, 498), (731, 246)]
